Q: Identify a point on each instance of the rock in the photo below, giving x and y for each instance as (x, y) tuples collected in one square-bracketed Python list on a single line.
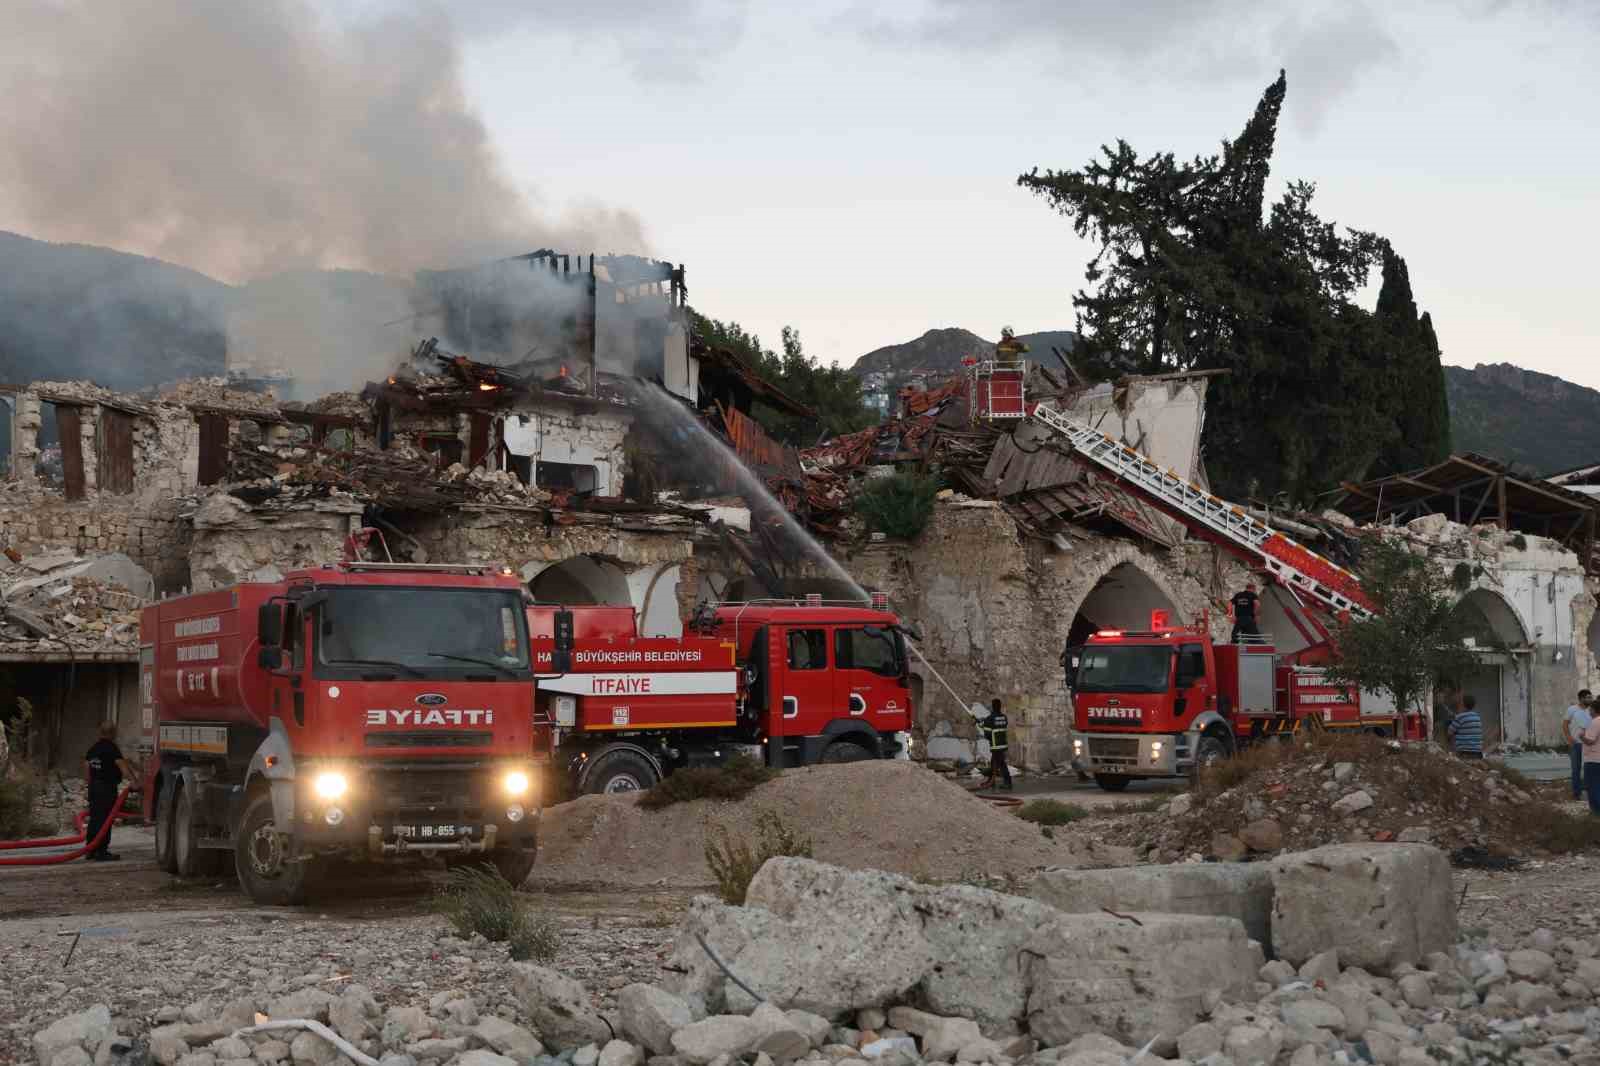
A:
[(167, 1047), (622, 1053), (723, 1034), (1094, 1049), (1247, 1044), (871, 1018), (1277, 973), (1531, 998), (944, 1041), (1415, 834), (1385, 1049), (558, 1006), (1306, 1055), (309, 1048), (440, 1048), (270, 1051), (312, 1003), (1488, 969), (897, 1045), (403, 1025), (1352, 1003), (1180, 805), (1225, 847), (814, 1026), (1199, 1040), (1313, 1014), (509, 1038), (781, 1039), (1358, 800), (480, 1057), (650, 1016), (1234, 890), (1379, 906), (1262, 835), (1323, 966), (1416, 990), (1544, 940), (230, 1047), (1530, 963), (73, 1055), (587, 1055), (1342, 771), (82, 1030)]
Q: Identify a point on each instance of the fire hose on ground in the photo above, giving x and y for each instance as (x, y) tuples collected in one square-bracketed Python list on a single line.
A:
[(58, 842), (974, 709)]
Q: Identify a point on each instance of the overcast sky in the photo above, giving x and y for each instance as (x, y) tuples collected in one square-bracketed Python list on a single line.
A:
[(850, 168), (845, 167)]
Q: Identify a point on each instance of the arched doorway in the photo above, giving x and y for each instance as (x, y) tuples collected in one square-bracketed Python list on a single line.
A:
[(1122, 599), (583, 579), (1501, 680)]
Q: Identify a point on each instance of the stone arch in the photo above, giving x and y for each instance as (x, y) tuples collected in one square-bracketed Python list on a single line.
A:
[(1501, 681), (582, 579), (1120, 593)]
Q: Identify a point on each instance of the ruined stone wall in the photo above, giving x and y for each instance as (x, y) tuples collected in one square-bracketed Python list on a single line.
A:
[(995, 607), (233, 542), (146, 523)]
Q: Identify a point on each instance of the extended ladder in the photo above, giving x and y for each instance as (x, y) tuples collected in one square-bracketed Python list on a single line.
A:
[(1290, 562)]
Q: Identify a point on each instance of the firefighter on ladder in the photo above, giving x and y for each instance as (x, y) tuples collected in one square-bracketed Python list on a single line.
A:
[(994, 728)]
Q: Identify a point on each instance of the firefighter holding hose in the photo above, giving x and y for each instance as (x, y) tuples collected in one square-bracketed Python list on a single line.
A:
[(104, 767), (994, 728)]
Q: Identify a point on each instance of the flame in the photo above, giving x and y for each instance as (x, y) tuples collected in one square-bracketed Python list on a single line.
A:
[(484, 386), (563, 372)]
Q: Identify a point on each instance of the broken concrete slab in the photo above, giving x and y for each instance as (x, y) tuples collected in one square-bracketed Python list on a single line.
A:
[(1380, 905), (1229, 889)]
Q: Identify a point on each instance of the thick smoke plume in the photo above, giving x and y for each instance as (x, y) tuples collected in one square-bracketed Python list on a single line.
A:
[(249, 140)]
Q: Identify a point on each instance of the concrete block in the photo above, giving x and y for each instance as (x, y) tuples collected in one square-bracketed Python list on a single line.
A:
[(1239, 890)]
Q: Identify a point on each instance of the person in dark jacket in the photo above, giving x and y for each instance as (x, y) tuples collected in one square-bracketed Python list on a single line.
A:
[(1244, 604), (104, 767), (995, 728)]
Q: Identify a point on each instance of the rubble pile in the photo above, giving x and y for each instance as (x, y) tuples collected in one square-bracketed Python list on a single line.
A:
[(344, 404), (215, 393), (62, 602), (401, 476), (1304, 795), (824, 966)]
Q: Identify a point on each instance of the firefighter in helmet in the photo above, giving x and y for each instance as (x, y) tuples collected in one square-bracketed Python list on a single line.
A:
[(994, 728)]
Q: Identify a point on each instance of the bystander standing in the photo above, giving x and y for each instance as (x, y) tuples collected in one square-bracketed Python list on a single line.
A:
[(1573, 723)]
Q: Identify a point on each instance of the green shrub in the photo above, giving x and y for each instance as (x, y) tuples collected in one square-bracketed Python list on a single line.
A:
[(18, 792), (735, 860), (1050, 812), (898, 505), (732, 780), (477, 899)]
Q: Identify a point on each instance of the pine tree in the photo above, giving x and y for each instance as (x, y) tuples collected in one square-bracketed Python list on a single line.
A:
[(1414, 401)]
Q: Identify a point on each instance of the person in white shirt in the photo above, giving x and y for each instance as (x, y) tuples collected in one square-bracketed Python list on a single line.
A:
[(1573, 723)]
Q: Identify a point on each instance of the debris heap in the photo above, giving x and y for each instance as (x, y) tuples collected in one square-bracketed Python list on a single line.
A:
[(66, 603)]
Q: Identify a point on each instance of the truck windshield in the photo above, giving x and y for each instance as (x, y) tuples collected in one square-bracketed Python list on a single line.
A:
[(423, 631), (1124, 668)]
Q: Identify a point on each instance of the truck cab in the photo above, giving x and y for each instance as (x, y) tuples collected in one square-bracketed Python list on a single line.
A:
[(1154, 703)]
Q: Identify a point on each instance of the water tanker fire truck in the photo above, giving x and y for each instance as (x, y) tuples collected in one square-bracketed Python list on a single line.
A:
[(1164, 701), (784, 682), (376, 711)]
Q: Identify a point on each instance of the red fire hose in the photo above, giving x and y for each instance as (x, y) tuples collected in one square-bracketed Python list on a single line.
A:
[(56, 842)]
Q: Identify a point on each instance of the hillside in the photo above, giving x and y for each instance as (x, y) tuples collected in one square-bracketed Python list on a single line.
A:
[(943, 349), (1535, 421), (77, 311)]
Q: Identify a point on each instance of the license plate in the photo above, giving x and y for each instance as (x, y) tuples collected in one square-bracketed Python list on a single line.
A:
[(432, 832)]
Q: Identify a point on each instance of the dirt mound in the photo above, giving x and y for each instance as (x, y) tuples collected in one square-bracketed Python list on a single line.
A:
[(1282, 797), (893, 816)]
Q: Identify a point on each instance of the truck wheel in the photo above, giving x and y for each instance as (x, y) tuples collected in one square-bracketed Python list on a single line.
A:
[(187, 857), (1209, 751), (262, 856), (845, 751), (166, 800), (514, 864), (1111, 782), (620, 771)]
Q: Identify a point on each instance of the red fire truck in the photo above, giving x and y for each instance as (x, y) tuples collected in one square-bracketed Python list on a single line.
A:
[(1160, 702), (786, 682), (368, 710)]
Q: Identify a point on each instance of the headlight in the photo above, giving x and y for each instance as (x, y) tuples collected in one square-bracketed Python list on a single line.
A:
[(331, 785), (1155, 748), (516, 783), (1077, 747)]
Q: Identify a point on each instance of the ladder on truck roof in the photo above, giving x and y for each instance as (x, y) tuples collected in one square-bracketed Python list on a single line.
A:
[(1290, 562)]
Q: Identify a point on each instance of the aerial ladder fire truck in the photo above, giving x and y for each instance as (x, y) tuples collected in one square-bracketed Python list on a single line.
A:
[(1163, 701)]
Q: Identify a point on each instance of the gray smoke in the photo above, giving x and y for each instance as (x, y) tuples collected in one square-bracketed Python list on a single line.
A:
[(250, 140)]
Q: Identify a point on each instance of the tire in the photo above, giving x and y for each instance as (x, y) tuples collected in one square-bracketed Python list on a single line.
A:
[(267, 870), (1112, 782), (514, 864), (845, 751), (166, 801), (1210, 750), (188, 857), (620, 771)]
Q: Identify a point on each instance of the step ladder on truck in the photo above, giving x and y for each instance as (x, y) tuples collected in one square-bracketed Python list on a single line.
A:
[(1163, 701)]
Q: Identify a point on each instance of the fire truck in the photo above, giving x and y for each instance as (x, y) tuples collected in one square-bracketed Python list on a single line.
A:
[(784, 682), (373, 711), (1165, 701)]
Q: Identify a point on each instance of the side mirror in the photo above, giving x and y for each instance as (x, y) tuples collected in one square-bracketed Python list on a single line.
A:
[(270, 658), (561, 657), (269, 625)]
